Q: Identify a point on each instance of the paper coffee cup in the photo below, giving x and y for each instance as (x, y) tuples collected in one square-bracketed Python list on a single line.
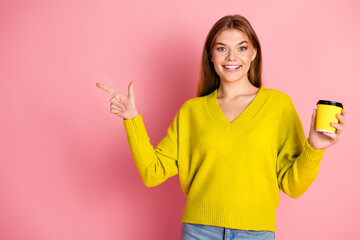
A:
[(326, 113)]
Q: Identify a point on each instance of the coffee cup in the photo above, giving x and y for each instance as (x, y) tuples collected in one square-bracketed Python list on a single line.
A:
[(326, 113)]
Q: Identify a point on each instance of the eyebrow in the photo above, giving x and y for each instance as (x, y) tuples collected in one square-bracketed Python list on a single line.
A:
[(219, 43)]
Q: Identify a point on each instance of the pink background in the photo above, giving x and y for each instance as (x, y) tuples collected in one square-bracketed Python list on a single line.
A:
[(66, 168)]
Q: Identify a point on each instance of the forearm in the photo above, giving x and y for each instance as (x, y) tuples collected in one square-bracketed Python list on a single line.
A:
[(154, 168), (299, 177)]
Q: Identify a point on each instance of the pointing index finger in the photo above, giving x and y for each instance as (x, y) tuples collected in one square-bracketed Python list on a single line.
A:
[(107, 88)]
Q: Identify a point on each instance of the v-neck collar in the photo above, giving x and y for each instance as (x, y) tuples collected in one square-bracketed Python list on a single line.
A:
[(221, 121)]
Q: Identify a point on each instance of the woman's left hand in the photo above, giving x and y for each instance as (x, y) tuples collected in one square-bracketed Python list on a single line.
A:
[(322, 140)]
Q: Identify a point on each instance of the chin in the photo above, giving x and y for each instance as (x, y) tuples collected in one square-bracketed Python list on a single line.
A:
[(231, 79)]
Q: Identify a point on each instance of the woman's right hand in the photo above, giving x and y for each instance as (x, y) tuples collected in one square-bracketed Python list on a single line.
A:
[(121, 105)]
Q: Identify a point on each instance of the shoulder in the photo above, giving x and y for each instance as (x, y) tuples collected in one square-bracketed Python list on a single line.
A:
[(278, 95), (192, 107), (192, 103), (280, 98)]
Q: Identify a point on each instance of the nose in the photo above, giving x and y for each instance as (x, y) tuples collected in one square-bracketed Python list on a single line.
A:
[(231, 55)]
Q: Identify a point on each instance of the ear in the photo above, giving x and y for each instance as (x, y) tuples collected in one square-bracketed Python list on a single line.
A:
[(254, 54)]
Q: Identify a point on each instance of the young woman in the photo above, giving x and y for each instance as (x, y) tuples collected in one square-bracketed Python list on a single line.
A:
[(234, 146)]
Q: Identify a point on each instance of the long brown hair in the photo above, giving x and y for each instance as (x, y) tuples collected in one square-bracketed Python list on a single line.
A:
[(209, 80)]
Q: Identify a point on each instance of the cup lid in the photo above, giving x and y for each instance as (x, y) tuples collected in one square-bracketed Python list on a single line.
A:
[(327, 102)]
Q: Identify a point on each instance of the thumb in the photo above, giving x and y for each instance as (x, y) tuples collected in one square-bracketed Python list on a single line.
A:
[(313, 119), (131, 90)]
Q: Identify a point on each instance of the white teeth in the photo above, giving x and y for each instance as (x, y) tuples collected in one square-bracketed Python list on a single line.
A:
[(231, 67)]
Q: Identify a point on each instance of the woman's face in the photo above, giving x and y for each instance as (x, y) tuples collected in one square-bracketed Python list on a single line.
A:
[(232, 55)]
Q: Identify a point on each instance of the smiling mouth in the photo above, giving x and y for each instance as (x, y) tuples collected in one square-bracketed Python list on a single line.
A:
[(231, 66)]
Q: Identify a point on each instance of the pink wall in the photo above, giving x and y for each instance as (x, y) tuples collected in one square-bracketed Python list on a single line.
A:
[(66, 171)]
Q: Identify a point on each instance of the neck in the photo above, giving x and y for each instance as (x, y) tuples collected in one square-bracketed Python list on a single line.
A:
[(232, 90)]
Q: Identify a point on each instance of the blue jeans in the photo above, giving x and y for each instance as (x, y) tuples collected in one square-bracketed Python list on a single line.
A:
[(207, 232)]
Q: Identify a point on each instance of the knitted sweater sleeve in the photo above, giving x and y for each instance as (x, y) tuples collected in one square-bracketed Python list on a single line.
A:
[(297, 163), (154, 165)]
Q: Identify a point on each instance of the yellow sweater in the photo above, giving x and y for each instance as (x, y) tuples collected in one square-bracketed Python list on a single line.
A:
[(231, 172)]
